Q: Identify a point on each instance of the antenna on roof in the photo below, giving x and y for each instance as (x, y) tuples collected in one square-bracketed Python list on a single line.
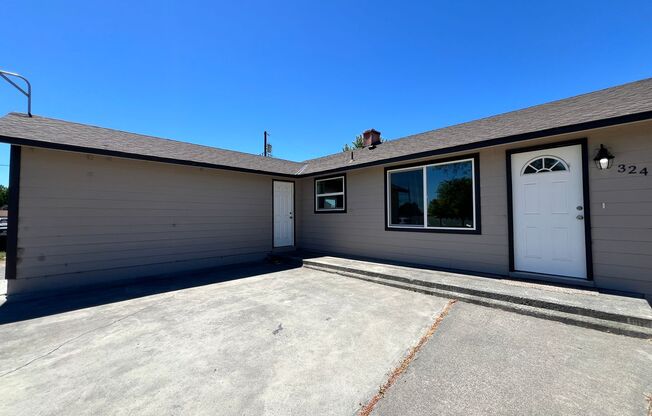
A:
[(28, 93), (267, 151)]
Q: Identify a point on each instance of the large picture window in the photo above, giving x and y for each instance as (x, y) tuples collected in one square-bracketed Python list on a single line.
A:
[(437, 196), (330, 194)]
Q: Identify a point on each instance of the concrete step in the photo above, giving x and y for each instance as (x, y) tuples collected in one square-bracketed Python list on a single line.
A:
[(618, 323)]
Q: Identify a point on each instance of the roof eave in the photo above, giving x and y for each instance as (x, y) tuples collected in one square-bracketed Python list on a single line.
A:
[(126, 155), (573, 128), (555, 131)]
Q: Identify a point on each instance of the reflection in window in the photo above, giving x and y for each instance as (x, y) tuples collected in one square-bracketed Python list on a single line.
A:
[(406, 196), (329, 194), (329, 186), (325, 203), (433, 196), (450, 195), (545, 164)]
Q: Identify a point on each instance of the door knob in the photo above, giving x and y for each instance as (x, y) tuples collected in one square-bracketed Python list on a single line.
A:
[(580, 217), (579, 207)]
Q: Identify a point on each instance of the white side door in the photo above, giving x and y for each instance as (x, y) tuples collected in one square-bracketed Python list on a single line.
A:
[(548, 212), (283, 214)]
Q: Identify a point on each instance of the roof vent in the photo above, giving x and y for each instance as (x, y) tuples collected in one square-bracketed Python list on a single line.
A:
[(371, 138)]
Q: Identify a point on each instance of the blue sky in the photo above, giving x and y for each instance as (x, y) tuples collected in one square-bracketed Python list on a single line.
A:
[(314, 74)]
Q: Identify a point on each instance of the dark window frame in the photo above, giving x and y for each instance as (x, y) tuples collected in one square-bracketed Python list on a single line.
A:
[(475, 157), (344, 194)]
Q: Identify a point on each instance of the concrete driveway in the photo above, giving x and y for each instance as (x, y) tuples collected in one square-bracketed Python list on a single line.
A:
[(299, 341), (293, 341), (483, 361)]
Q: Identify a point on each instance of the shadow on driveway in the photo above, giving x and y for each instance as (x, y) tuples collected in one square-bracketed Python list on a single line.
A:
[(20, 310)]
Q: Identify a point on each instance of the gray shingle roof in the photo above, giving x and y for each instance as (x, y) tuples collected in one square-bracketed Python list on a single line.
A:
[(623, 100), (63, 133), (577, 112)]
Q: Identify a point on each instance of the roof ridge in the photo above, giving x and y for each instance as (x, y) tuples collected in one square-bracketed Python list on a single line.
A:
[(300, 171)]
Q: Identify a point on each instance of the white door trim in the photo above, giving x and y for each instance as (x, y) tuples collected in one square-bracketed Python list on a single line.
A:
[(283, 213), (581, 269)]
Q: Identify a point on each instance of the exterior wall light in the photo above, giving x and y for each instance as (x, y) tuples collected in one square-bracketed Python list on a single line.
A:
[(604, 159)]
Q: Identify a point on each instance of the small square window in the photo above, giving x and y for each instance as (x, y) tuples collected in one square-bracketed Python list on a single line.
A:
[(330, 194)]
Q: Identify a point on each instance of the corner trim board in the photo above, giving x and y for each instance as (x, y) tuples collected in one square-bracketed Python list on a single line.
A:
[(13, 217)]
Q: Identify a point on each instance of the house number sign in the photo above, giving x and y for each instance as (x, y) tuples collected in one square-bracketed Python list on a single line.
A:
[(632, 170)]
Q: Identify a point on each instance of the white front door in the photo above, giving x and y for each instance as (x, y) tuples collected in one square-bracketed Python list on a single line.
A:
[(548, 212), (283, 214)]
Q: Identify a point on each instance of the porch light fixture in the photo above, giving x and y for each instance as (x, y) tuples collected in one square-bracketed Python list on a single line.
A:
[(604, 159)]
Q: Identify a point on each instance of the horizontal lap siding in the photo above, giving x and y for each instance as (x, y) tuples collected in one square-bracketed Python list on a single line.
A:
[(361, 230), (622, 230), (90, 219)]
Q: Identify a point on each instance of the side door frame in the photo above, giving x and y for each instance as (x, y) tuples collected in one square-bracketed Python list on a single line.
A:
[(583, 142), (294, 213)]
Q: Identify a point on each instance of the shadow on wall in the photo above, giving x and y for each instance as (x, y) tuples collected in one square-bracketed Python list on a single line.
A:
[(20, 310)]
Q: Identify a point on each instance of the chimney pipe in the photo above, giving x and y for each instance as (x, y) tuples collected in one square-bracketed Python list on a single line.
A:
[(371, 138)]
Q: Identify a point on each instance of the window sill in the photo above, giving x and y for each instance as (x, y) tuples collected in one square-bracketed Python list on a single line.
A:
[(433, 230), (334, 211)]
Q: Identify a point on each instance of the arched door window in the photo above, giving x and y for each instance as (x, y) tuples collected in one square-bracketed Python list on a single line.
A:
[(544, 164)]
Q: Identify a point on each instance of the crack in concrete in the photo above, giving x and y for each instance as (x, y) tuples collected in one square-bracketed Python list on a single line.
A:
[(72, 340), (396, 373)]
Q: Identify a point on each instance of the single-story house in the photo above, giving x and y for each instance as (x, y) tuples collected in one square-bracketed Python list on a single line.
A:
[(559, 192)]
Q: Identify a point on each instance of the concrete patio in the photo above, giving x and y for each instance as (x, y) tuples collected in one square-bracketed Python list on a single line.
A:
[(279, 341)]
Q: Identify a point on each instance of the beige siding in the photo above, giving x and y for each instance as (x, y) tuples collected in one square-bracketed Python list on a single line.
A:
[(622, 231), (361, 230), (88, 219)]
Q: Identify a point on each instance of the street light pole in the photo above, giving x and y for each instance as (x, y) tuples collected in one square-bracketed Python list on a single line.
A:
[(28, 93)]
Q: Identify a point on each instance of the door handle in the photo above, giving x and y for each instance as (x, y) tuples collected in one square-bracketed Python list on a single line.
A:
[(580, 217)]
